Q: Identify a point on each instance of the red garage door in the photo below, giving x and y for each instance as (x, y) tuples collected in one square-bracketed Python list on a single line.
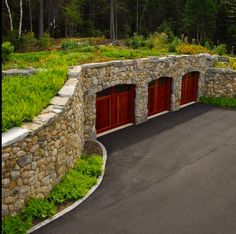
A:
[(159, 95), (189, 88), (114, 107)]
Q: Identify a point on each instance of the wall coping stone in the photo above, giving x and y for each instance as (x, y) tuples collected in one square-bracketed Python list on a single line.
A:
[(13, 135), (24, 72), (221, 70)]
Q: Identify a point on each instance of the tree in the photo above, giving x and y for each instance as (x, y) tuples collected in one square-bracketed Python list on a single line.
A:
[(9, 13), (21, 17), (112, 20), (41, 22), (199, 19)]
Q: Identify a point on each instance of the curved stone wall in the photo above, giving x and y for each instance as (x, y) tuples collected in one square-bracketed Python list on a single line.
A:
[(37, 155)]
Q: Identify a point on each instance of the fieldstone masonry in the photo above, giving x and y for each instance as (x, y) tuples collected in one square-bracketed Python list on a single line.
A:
[(36, 156)]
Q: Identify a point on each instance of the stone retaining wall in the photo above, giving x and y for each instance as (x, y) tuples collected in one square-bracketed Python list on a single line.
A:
[(220, 82), (37, 155)]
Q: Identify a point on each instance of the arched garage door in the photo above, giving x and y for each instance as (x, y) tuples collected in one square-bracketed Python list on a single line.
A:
[(159, 95), (189, 88), (114, 107)]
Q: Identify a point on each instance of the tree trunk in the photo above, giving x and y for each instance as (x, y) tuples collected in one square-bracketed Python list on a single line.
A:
[(21, 17), (112, 23), (41, 29), (116, 23), (137, 16), (30, 17), (10, 17)]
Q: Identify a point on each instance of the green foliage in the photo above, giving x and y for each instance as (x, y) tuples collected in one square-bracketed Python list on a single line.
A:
[(219, 101), (165, 28), (24, 97), (28, 42), (7, 50), (39, 208), (90, 166), (15, 225), (77, 181), (44, 42), (136, 41), (172, 46), (69, 44), (73, 186), (220, 49)]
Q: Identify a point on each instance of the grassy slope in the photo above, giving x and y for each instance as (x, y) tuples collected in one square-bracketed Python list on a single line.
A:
[(24, 97)]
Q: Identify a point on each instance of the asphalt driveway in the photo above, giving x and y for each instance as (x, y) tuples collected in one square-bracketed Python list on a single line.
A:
[(175, 174)]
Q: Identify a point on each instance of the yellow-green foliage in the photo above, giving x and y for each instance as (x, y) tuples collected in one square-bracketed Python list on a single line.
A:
[(232, 63), (191, 49)]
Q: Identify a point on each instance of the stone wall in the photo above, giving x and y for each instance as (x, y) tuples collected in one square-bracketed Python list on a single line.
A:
[(220, 82), (33, 165), (37, 155)]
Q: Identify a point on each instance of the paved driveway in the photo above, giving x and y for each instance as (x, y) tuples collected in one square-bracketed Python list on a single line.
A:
[(175, 174)]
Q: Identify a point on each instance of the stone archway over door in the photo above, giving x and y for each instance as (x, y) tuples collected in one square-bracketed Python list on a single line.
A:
[(114, 107), (189, 88), (159, 95)]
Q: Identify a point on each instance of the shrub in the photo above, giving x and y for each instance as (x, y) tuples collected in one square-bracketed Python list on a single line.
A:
[(69, 44), (232, 63), (172, 46), (219, 101), (77, 181), (165, 28), (220, 49), (12, 36), (159, 40), (72, 187), (90, 166), (136, 41), (15, 224), (7, 50), (28, 42), (191, 49), (44, 42), (39, 208)]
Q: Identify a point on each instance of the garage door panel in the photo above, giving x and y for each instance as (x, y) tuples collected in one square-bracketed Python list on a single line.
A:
[(117, 109), (159, 94), (103, 117), (189, 88), (123, 110)]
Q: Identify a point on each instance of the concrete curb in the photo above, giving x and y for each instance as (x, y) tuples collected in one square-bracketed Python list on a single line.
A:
[(75, 204)]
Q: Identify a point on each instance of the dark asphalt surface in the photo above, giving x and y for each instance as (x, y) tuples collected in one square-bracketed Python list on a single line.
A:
[(175, 174)]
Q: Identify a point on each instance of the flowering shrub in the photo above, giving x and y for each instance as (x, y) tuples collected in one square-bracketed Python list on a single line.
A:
[(191, 49)]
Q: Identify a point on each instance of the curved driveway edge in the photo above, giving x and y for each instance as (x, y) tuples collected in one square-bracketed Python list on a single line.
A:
[(174, 174), (77, 203)]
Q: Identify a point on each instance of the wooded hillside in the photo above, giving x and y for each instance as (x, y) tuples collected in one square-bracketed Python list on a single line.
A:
[(213, 21)]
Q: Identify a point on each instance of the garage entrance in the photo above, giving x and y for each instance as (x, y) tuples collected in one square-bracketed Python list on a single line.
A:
[(159, 95), (189, 87), (114, 107)]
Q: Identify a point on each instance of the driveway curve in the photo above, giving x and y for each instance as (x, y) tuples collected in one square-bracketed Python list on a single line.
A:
[(175, 174)]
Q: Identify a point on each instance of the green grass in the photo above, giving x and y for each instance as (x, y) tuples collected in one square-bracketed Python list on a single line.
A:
[(219, 101), (24, 97), (73, 186)]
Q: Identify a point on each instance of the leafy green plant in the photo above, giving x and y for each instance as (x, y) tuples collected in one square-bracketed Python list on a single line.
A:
[(220, 49), (39, 208), (90, 166), (28, 42), (219, 101), (44, 42), (172, 46), (77, 181), (7, 50), (136, 41), (15, 225), (69, 44)]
